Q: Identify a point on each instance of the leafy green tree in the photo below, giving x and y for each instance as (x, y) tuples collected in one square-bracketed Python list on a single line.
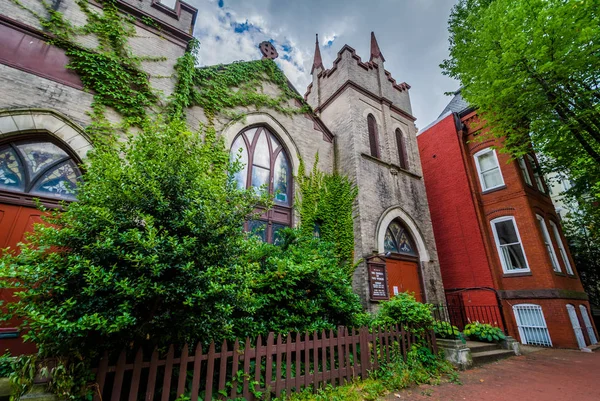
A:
[(583, 233), (150, 252), (531, 68)]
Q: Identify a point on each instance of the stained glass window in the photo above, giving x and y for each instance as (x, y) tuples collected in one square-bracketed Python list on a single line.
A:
[(266, 168), (39, 168), (398, 240)]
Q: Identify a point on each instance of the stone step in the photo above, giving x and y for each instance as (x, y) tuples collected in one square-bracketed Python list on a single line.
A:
[(481, 358), (477, 346)]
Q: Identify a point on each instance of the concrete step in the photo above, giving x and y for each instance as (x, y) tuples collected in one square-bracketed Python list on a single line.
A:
[(477, 346), (481, 358)]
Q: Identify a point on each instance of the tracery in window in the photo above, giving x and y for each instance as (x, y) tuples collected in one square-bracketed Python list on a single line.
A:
[(38, 168), (266, 169), (398, 240)]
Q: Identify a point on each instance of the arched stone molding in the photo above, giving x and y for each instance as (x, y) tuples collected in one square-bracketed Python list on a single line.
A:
[(14, 122), (397, 213), (256, 119)]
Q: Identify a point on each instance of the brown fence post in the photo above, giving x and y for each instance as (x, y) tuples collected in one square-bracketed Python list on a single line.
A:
[(365, 360), (101, 376), (246, 387), (183, 361), (210, 371), (306, 360), (119, 373), (316, 360), (288, 365), (137, 371), (297, 381), (197, 371), (152, 375), (278, 357), (269, 363), (235, 368), (168, 371), (257, 367), (222, 370)]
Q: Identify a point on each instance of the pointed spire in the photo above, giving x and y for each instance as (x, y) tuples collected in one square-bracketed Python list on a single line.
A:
[(375, 51), (318, 61)]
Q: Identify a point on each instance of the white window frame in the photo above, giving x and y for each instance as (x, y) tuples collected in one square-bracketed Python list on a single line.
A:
[(499, 247), (480, 173), (525, 171), (561, 248), (162, 3), (548, 244), (539, 182), (526, 327)]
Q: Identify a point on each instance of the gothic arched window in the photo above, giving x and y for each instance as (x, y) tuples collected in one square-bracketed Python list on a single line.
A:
[(402, 156), (266, 167), (398, 240), (39, 168), (373, 139)]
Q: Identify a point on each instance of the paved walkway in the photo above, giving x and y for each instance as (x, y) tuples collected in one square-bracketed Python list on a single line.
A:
[(546, 375)]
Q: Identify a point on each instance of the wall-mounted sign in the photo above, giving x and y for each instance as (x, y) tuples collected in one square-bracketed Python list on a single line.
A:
[(378, 287)]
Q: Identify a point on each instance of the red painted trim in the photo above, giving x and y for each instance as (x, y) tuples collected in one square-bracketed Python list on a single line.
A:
[(26, 49)]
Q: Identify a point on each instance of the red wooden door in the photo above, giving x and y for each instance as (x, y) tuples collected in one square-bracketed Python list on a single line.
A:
[(403, 276), (15, 222)]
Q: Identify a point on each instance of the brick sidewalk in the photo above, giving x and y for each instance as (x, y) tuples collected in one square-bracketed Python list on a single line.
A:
[(547, 375)]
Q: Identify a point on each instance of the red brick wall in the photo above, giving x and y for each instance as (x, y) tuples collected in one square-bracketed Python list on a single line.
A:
[(557, 319), (463, 260)]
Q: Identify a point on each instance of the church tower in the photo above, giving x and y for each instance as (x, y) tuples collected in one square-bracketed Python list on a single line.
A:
[(375, 145)]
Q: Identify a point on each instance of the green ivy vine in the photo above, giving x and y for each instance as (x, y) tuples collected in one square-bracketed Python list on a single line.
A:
[(109, 71), (326, 207), (222, 88)]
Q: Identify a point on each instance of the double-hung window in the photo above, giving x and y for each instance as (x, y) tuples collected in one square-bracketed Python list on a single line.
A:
[(509, 245), (539, 182), (525, 171), (561, 247), (548, 243), (488, 169)]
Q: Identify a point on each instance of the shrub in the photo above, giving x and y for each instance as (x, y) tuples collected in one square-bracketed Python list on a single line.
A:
[(446, 330), (298, 286), (483, 332), (149, 253), (405, 309)]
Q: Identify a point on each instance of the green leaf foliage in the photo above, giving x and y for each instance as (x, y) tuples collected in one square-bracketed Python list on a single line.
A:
[(531, 68), (446, 330), (483, 332), (405, 309), (149, 253), (326, 203), (299, 287)]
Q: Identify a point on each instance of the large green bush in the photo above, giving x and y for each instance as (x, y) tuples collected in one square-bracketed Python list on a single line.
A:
[(149, 253), (298, 286)]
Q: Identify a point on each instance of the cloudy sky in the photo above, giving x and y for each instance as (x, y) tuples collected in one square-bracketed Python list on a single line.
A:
[(412, 35)]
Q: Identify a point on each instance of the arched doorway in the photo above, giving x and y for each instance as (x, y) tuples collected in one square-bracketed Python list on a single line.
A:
[(402, 261)]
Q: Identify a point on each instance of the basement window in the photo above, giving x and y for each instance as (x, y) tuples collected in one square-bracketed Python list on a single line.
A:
[(532, 325)]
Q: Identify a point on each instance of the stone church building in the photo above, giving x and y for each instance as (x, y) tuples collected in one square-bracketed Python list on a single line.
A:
[(362, 127)]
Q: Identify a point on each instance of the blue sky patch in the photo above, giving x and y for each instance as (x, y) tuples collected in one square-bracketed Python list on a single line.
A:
[(221, 3)]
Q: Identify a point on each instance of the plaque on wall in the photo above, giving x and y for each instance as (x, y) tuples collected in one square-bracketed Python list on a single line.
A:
[(378, 287)]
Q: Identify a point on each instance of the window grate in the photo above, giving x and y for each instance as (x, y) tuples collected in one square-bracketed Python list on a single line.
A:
[(532, 325)]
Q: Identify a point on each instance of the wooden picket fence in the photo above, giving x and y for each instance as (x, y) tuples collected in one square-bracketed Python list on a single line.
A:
[(280, 365)]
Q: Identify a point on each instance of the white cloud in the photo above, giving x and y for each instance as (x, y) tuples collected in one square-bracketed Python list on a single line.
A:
[(412, 35)]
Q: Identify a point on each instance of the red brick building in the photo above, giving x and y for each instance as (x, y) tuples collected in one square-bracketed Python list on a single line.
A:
[(502, 252)]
